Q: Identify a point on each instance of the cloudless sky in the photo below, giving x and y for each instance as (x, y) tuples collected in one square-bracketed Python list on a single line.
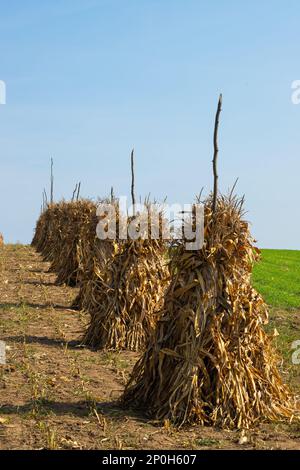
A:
[(89, 79)]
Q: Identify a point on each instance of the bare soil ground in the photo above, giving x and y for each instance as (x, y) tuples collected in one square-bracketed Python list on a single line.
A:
[(55, 394)]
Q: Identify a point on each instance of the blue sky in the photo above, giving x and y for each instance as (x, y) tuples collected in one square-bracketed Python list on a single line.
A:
[(89, 79)]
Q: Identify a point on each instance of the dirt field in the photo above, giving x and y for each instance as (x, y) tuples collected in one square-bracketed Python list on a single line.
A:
[(55, 394)]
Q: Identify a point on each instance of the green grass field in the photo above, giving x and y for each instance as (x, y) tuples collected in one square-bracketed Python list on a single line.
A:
[(277, 278)]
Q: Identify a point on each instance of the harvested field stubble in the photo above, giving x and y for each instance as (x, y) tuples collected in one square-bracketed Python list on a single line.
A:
[(209, 360)]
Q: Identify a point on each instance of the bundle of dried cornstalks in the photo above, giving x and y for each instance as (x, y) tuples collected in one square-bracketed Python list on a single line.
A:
[(58, 237), (125, 292), (71, 221), (46, 230), (210, 360), (92, 254)]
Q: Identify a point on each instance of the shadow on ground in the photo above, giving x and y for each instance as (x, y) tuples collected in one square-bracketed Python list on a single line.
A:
[(112, 409), (45, 341)]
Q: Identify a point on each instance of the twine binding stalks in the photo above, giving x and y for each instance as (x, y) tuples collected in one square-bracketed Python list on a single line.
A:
[(125, 293), (209, 360)]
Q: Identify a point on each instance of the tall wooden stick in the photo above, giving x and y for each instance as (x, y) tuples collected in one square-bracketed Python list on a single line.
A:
[(45, 198), (44, 202), (74, 192), (132, 181), (78, 191), (216, 151), (51, 182)]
